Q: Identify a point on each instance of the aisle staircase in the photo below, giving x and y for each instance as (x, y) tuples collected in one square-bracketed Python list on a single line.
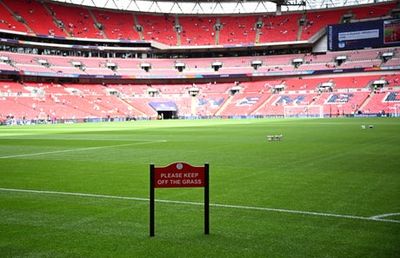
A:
[(223, 106)]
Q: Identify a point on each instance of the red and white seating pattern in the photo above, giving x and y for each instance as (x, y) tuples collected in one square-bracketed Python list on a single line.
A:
[(161, 67), (51, 100), (79, 22)]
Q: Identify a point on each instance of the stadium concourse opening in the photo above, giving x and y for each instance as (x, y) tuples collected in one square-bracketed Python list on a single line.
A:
[(165, 109), (164, 114)]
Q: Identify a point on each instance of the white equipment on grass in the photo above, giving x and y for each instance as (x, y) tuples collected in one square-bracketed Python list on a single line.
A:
[(276, 137)]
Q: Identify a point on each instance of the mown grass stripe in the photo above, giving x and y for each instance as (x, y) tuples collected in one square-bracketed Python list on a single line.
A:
[(77, 149)]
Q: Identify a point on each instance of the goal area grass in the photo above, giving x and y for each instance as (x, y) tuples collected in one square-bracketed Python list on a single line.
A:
[(328, 188)]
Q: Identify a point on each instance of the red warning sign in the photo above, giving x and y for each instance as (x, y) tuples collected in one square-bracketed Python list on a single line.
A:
[(179, 175)]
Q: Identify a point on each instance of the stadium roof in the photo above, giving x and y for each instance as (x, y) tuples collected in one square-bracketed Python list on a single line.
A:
[(215, 7)]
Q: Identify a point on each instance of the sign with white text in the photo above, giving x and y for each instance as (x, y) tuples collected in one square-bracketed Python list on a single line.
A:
[(179, 175)]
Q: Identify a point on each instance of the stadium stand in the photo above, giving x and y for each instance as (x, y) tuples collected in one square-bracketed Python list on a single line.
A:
[(380, 10), (280, 28), (318, 20), (36, 16), (159, 28), (35, 100), (8, 21), (243, 104), (197, 30), (82, 22), (337, 104), (78, 22), (117, 25), (383, 102), (340, 88), (98, 66), (237, 30)]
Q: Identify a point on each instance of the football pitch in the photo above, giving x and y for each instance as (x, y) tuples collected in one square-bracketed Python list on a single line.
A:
[(328, 189)]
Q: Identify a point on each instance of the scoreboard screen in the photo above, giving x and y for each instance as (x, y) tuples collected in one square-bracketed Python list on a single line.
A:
[(359, 35)]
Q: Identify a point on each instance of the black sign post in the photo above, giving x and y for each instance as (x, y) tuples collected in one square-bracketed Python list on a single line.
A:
[(151, 200), (206, 200)]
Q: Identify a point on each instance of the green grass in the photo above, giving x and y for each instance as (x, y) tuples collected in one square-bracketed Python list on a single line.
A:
[(324, 166)]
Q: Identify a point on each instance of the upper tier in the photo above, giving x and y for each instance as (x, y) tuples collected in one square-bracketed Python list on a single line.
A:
[(44, 19)]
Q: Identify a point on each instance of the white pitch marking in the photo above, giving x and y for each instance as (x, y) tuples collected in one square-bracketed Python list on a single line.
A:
[(311, 213), (385, 215), (79, 149)]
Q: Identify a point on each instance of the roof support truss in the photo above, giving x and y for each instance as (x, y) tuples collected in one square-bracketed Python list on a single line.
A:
[(206, 7)]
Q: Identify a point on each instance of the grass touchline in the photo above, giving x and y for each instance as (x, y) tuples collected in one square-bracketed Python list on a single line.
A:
[(312, 213)]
